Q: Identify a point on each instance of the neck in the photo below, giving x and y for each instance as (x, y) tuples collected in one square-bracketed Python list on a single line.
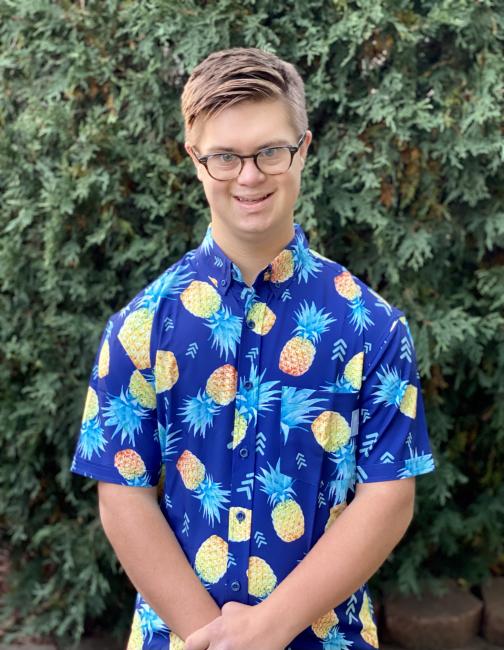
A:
[(253, 253)]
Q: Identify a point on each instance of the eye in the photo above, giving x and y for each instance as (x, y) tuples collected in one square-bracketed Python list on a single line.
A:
[(225, 158), (269, 153)]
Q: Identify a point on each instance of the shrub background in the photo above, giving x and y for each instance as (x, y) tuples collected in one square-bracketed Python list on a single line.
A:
[(404, 184)]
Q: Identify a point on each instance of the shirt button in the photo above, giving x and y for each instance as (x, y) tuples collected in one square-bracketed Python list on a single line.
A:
[(240, 515), (235, 585), (223, 282), (243, 452), (248, 385), (250, 324)]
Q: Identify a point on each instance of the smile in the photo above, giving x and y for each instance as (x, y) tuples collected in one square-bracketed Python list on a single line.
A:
[(246, 199)]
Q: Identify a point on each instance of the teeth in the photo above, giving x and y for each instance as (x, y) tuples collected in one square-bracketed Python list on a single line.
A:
[(252, 200)]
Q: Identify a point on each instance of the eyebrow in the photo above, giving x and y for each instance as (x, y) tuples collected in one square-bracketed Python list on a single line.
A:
[(270, 143)]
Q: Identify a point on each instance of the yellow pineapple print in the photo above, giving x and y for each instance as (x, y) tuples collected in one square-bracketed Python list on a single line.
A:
[(191, 469), (299, 351), (221, 385), (346, 286), (239, 429), (324, 623), (353, 370), (129, 464), (368, 632), (282, 267), (91, 405), (239, 529), (261, 577), (409, 401), (135, 335), (201, 299), (331, 430), (135, 641), (142, 391), (287, 515), (104, 360), (166, 370), (211, 559), (263, 317)]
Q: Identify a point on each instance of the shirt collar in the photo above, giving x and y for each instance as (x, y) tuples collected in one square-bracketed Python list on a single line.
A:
[(279, 273)]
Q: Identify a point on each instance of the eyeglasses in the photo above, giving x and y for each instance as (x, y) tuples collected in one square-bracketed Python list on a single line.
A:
[(272, 160)]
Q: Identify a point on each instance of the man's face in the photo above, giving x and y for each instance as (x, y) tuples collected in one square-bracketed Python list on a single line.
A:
[(245, 128)]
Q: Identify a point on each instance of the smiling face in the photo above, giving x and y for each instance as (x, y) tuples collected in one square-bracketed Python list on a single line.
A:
[(254, 205)]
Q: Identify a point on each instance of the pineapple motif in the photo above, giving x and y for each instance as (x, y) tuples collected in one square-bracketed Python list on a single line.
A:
[(351, 380), (91, 439), (150, 622), (347, 288), (298, 353), (211, 559), (221, 385), (345, 471), (131, 467), (334, 513), (368, 632), (253, 398), (91, 405), (394, 391), (135, 335), (322, 626), (166, 371), (142, 390), (353, 371), (209, 492), (220, 390), (282, 267), (135, 332), (126, 414), (336, 640), (202, 300), (104, 356), (287, 515), (331, 430), (297, 408), (262, 316), (135, 641), (239, 527), (261, 577)]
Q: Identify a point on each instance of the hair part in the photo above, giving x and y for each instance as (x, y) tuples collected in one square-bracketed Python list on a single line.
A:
[(240, 74)]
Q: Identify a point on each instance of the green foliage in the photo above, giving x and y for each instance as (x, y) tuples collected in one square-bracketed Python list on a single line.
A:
[(404, 184)]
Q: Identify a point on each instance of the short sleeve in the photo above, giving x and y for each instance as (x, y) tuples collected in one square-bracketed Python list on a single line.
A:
[(118, 440), (392, 441)]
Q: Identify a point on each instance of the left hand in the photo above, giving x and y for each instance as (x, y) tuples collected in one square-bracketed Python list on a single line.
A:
[(239, 627)]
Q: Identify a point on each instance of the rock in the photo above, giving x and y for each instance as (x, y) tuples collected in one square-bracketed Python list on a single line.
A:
[(493, 613), (433, 622)]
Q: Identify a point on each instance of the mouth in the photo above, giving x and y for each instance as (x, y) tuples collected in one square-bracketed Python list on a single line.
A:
[(253, 200)]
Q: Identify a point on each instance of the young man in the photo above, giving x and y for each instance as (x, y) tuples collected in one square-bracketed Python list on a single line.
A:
[(277, 391)]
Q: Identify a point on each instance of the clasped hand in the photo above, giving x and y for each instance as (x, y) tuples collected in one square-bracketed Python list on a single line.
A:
[(239, 627)]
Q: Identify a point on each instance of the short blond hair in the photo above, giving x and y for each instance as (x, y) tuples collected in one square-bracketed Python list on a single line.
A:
[(240, 74)]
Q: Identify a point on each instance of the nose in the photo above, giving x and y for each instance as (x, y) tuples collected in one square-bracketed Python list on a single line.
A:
[(250, 173)]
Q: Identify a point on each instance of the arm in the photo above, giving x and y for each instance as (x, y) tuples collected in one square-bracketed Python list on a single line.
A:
[(152, 557), (346, 555)]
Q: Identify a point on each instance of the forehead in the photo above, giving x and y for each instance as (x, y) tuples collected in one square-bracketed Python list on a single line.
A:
[(246, 126)]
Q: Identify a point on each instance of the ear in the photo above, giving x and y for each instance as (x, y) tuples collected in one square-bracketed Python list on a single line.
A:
[(197, 165), (303, 151)]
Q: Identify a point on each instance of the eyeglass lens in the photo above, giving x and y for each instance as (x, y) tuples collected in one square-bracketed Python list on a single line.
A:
[(225, 166)]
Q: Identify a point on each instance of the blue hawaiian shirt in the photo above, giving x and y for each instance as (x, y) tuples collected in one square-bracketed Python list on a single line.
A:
[(255, 410)]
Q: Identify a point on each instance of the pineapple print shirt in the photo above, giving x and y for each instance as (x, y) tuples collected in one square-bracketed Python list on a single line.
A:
[(255, 410)]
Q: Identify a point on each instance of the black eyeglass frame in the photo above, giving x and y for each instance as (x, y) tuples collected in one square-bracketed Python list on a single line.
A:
[(293, 149)]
